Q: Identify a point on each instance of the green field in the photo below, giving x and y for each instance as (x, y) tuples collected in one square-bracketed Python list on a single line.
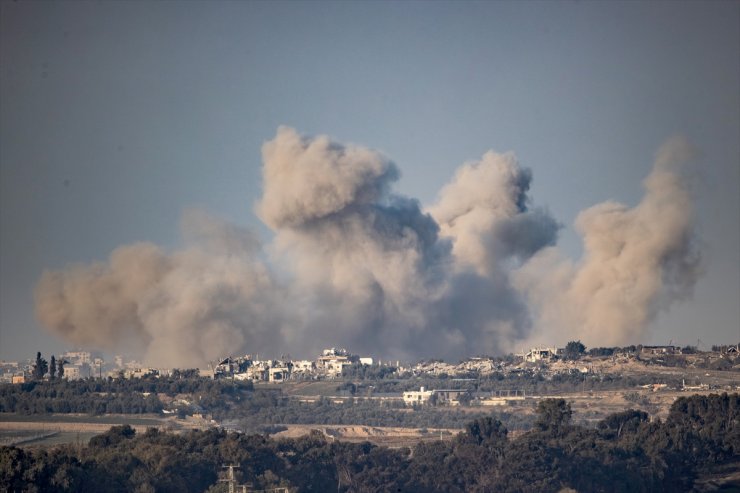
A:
[(111, 419)]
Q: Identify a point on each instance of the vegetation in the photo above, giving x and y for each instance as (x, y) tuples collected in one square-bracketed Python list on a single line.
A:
[(40, 367), (52, 368), (119, 396), (253, 410), (256, 418), (624, 453), (574, 350)]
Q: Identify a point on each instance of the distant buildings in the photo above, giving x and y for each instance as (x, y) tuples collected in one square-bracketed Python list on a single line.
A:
[(77, 358), (661, 350), (330, 364), (334, 363), (417, 397), (452, 397), (77, 364), (541, 354)]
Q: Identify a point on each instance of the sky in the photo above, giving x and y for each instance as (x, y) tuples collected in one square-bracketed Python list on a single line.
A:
[(116, 118)]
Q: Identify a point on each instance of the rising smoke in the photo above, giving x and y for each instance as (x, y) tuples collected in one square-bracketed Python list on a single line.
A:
[(636, 261), (363, 267), (178, 309)]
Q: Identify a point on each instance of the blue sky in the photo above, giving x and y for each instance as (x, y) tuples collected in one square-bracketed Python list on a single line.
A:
[(117, 116)]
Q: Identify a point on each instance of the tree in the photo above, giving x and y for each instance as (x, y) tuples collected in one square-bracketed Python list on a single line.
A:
[(625, 421), (40, 367), (484, 431), (52, 367), (553, 415), (574, 350), (60, 368)]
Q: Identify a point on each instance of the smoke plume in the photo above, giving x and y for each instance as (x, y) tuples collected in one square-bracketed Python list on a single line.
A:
[(365, 263), (176, 309), (485, 210), (636, 261), (354, 264)]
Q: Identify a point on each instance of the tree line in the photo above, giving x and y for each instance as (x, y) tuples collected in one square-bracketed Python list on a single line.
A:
[(116, 395), (626, 452)]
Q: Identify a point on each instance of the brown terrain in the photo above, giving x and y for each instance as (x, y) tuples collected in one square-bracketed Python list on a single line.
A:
[(588, 406)]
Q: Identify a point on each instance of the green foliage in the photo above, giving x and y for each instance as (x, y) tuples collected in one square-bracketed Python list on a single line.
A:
[(113, 436), (553, 415), (135, 396), (368, 372), (574, 350), (484, 431), (262, 409), (628, 421), (625, 453), (602, 351), (40, 367)]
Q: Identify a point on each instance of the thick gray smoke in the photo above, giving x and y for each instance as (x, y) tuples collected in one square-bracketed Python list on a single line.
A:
[(366, 264), (636, 261), (179, 309), (359, 266), (485, 210)]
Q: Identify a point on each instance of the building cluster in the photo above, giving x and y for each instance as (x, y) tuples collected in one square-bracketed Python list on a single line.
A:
[(330, 364), (76, 364), (456, 397), (14, 372), (453, 397)]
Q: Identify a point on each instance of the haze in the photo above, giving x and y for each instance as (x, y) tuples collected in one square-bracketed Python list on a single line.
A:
[(411, 179)]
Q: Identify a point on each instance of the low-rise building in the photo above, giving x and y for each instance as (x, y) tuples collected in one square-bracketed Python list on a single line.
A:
[(72, 372), (332, 361), (661, 350), (139, 372), (77, 357), (541, 354), (450, 397), (304, 367), (279, 373), (417, 397)]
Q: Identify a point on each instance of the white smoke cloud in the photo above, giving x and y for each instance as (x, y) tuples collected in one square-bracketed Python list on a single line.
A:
[(96, 305), (366, 263), (307, 179), (636, 261), (174, 309), (485, 210), (363, 267)]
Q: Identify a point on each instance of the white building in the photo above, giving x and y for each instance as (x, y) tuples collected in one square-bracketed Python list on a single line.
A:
[(332, 361), (278, 374), (417, 397), (140, 372), (540, 353), (303, 368), (77, 357), (72, 372)]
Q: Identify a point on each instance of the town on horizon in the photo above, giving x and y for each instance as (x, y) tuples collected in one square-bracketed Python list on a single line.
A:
[(330, 364)]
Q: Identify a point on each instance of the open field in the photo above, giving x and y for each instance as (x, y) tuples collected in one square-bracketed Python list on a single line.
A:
[(46, 438), (106, 420), (594, 406), (47, 430), (379, 435)]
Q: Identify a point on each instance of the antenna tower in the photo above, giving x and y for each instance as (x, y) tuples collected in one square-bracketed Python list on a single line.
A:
[(230, 477)]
